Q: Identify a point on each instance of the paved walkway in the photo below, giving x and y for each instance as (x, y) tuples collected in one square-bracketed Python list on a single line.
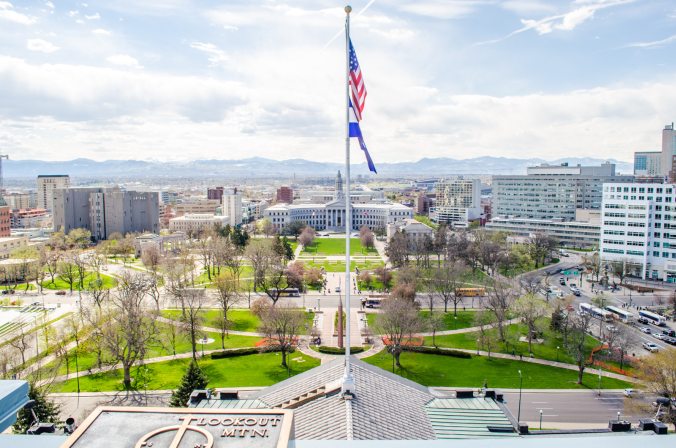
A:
[(211, 329), (469, 329)]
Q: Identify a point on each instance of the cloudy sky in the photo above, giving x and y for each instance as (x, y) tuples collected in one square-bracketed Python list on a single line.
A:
[(183, 79)]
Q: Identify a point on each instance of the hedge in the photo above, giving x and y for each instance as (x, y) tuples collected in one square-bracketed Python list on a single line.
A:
[(241, 352), (338, 350), (437, 351)]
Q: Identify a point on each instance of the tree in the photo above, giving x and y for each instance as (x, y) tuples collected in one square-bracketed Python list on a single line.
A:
[(79, 238), (404, 291), (294, 228), (440, 242), (258, 252), (307, 236), (619, 270), (295, 275), (274, 279), (576, 345), (266, 227), (45, 410), (445, 283), (593, 264), (540, 246), (68, 269), (281, 325), (531, 310), (288, 250), (620, 339), (193, 379), (227, 297), (397, 249), (366, 237), (21, 342), (486, 339), (191, 302), (129, 326), (397, 322), (501, 296), (384, 276), (435, 322), (658, 372), (151, 257)]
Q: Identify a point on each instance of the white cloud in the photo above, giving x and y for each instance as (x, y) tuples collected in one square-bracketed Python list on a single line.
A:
[(7, 12), (73, 13), (49, 4), (216, 55), (41, 46), (653, 44), (527, 6), (582, 12), (96, 16), (442, 9), (101, 32), (123, 60)]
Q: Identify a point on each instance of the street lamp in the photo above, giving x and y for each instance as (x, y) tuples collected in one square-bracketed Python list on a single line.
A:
[(518, 417), (557, 353), (477, 346), (540, 419)]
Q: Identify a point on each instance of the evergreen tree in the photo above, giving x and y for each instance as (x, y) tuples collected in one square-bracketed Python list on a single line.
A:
[(278, 247), (288, 250), (45, 410), (556, 323), (193, 379)]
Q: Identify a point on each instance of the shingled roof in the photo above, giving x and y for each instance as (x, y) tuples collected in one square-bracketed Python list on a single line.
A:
[(385, 406)]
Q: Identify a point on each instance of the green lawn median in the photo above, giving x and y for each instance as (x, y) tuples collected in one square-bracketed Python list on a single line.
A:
[(263, 369), (449, 371)]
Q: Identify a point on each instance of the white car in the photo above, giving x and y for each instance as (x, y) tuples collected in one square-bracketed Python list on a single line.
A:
[(629, 393), (659, 336), (651, 347), (646, 330)]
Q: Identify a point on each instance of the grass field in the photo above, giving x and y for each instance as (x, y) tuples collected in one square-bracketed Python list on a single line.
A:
[(439, 370), (252, 370), (339, 266), (61, 284), (465, 320), (336, 246), (247, 271), (242, 320), (546, 350), (162, 347)]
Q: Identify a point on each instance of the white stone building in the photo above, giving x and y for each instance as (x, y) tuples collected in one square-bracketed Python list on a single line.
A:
[(196, 222)]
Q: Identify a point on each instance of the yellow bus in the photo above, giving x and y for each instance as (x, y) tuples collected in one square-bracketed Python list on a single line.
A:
[(471, 292)]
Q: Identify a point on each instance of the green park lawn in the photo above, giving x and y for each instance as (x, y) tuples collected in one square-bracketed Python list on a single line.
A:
[(241, 320), (336, 246), (86, 358), (246, 272), (60, 284), (257, 370), (465, 320), (339, 266), (546, 350), (448, 371)]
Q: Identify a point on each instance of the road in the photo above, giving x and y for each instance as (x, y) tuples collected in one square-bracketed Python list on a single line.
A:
[(561, 408)]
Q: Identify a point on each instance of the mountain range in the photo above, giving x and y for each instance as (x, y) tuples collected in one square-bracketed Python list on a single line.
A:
[(258, 167)]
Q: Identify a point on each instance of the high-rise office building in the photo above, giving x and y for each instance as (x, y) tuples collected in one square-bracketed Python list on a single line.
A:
[(285, 195), (104, 211), (458, 202), (668, 152), (46, 186), (232, 206), (648, 163), (552, 191), (215, 193)]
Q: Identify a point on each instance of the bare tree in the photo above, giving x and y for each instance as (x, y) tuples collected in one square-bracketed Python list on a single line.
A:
[(486, 339), (619, 339), (130, 327), (228, 297), (435, 322), (580, 325), (68, 269), (658, 373), (151, 257), (440, 242), (307, 236), (397, 249), (540, 246), (191, 301), (366, 237), (258, 252), (281, 326), (21, 342), (96, 319), (501, 296), (397, 322), (531, 310), (446, 281)]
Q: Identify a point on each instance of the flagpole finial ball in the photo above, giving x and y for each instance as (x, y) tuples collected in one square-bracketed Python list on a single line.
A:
[(348, 9)]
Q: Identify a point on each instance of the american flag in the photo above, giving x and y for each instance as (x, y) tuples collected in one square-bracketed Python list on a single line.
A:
[(357, 87)]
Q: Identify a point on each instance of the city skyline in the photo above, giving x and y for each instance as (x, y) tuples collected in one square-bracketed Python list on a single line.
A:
[(180, 80)]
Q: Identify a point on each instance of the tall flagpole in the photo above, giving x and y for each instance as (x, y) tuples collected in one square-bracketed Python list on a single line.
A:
[(348, 381)]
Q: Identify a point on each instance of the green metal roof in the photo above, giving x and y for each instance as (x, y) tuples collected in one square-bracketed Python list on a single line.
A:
[(465, 418)]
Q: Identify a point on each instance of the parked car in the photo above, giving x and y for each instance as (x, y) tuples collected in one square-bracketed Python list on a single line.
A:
[(671, 333), (642, 320), (60, 293), (670, 340), (562, 281), (646, 330), (337, 289), (651, 347), (611, 328), (572, 285)]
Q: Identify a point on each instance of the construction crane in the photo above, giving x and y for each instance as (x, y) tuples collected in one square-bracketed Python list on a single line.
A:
[(2, 179)]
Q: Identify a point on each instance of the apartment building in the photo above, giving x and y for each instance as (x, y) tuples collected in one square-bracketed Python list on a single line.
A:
[(639, 229), (458, 202), (104, 211), (197, 206), (284, 194), (47, 184), (18, 201), (552, 191), (232, 206)]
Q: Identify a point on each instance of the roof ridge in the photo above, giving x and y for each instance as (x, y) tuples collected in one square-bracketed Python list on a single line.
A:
[(349, 424)]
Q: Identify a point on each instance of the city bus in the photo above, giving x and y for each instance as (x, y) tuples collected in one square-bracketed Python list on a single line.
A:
[(471, 292), (654, 318), (620, 314), (598, 313)]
